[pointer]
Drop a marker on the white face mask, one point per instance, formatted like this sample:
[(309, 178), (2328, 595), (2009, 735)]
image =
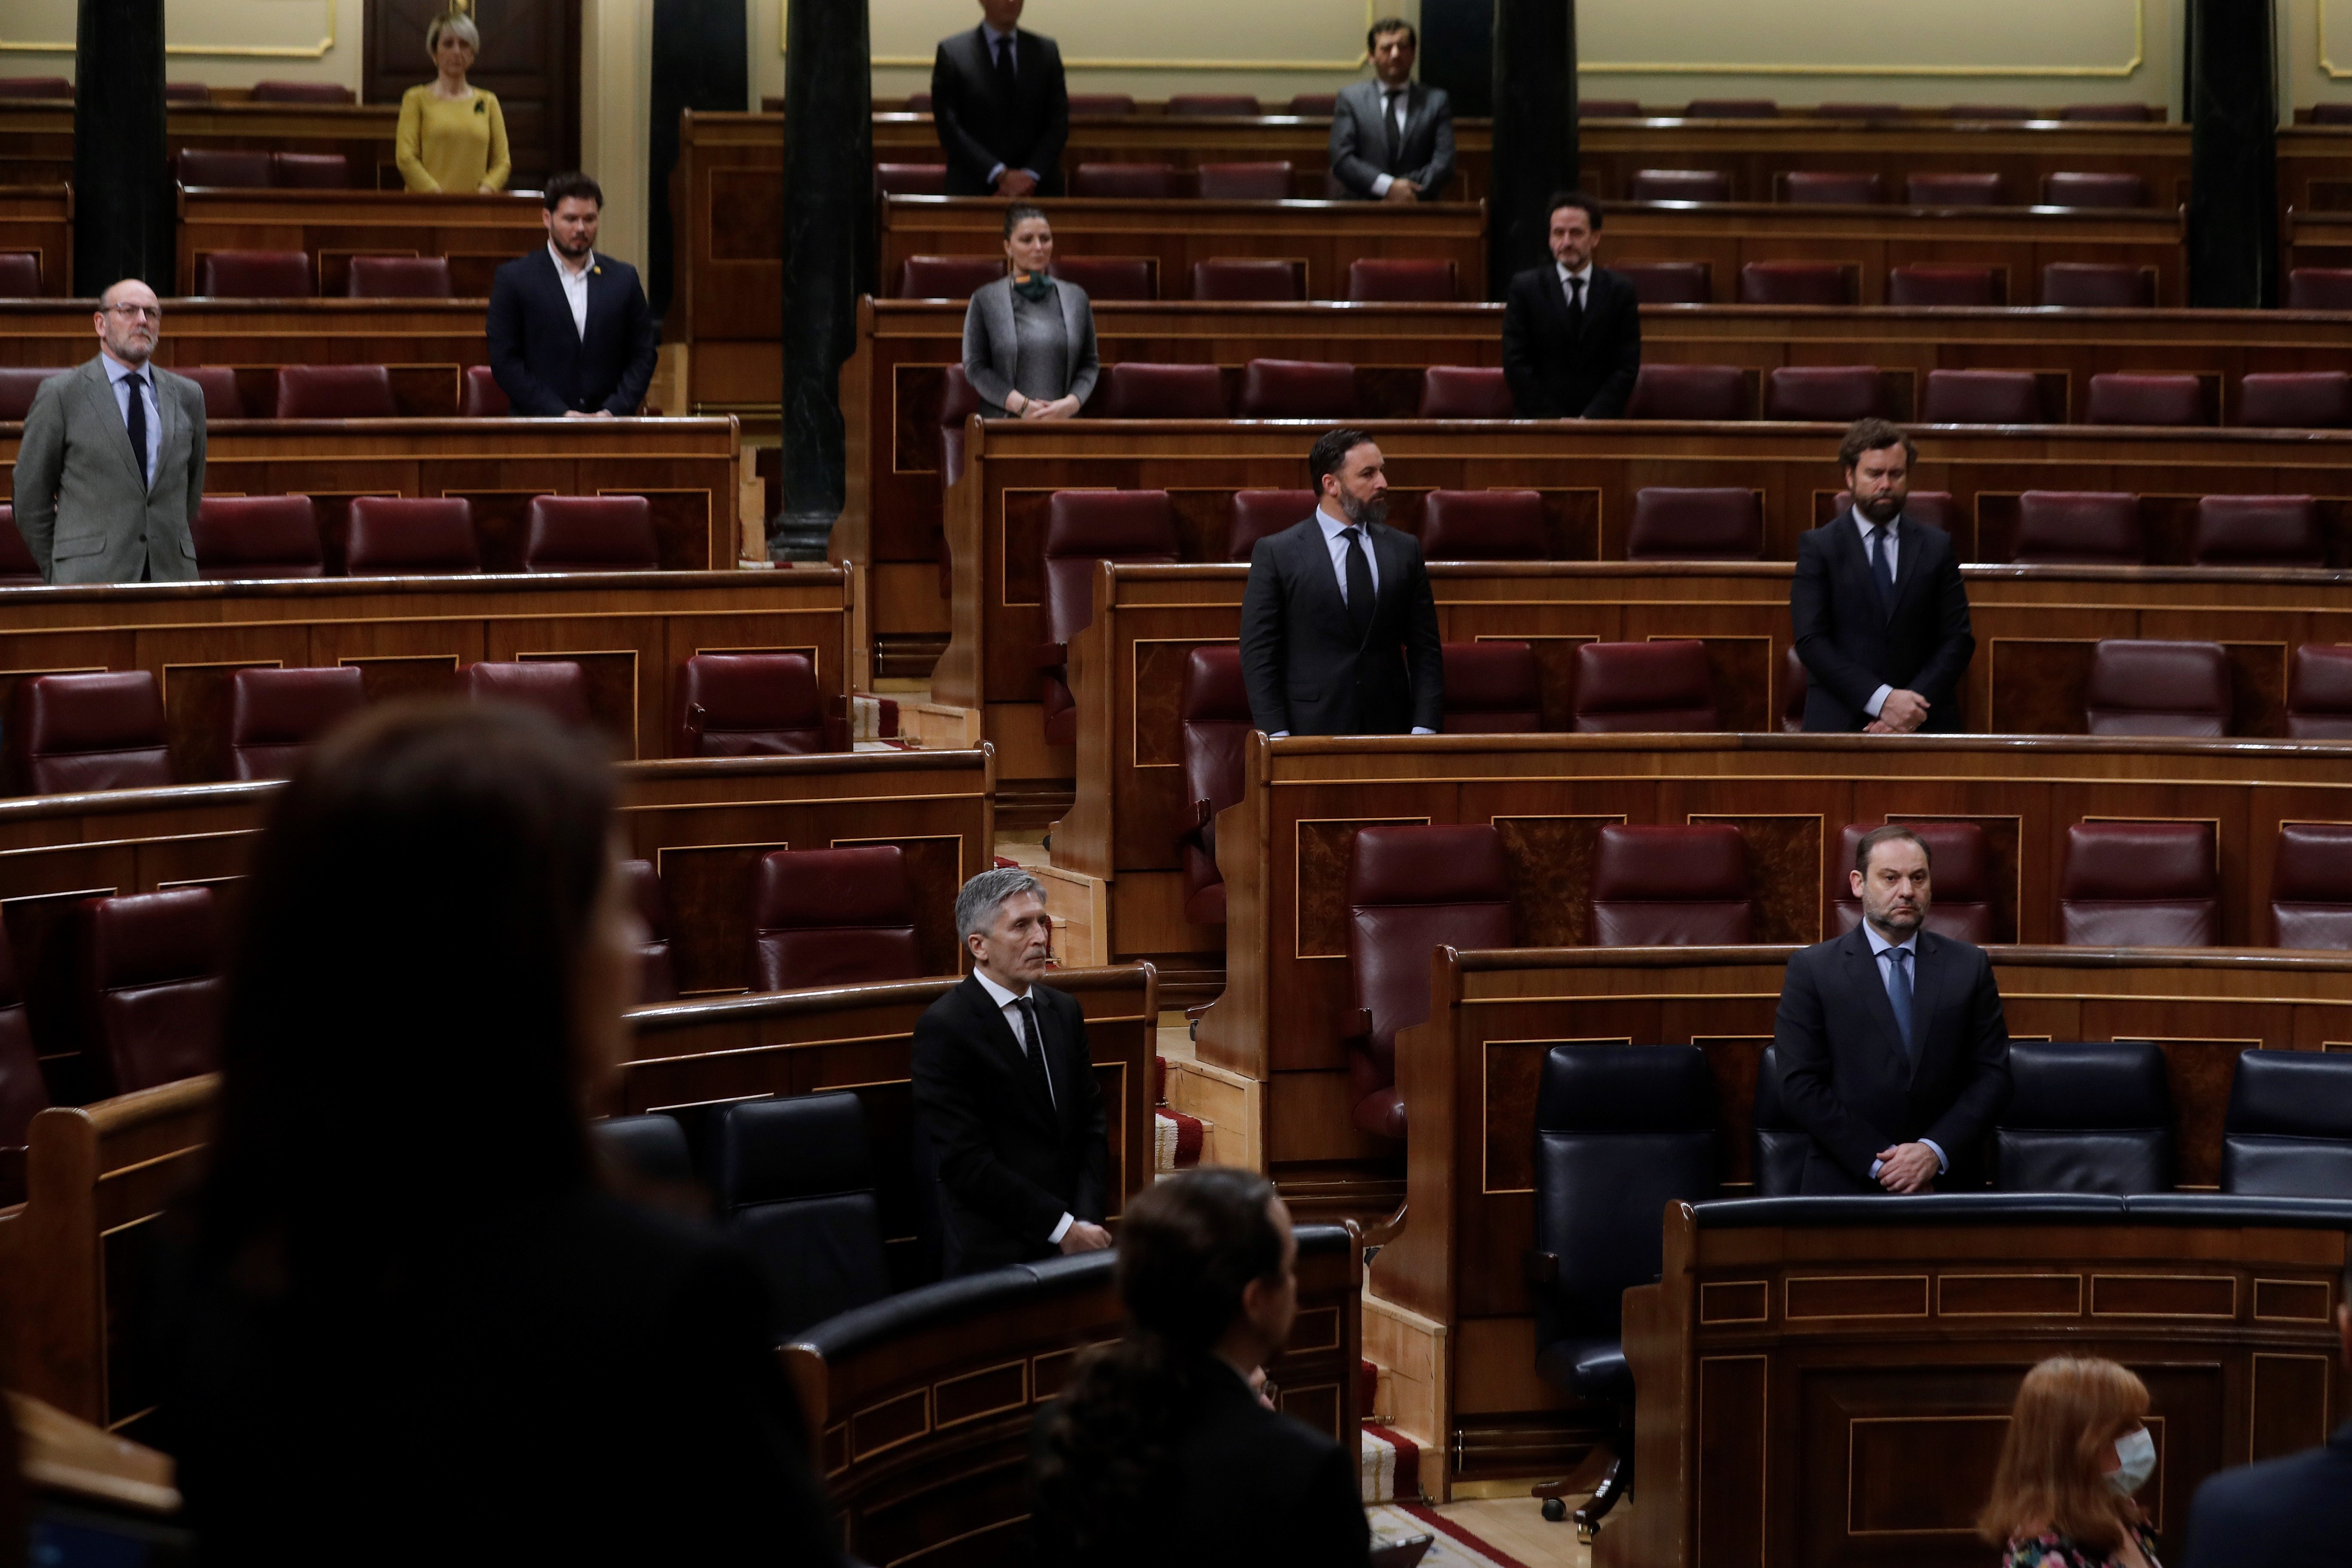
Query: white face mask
[(2137, 1449)]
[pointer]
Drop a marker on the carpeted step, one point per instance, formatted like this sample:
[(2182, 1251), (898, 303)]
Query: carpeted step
[(1176, 1141), (1392, 1464)]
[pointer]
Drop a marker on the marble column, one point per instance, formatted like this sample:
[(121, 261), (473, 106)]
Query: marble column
[(702, 61), (2233, 240), (123, 205), (1535, 130)]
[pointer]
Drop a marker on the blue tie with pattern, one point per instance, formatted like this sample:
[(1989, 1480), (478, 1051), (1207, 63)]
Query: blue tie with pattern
[(1898, 993), (1882, 567)]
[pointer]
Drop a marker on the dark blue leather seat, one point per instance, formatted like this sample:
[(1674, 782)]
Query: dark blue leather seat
[(2289, 1129), (796, 1187), (1780, 1144), (2088, 1118)]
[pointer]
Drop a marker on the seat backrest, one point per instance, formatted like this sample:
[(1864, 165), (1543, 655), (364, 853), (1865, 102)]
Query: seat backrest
[(1679, 186), (2288, 1133), (2258, 530), (1297, 389), (1212, 104), (1253, 515), (1982, 398), (2125, 113), (1673, 523), (1313, 104), (398, 278), (20, 275), (1689, 392), (182, 93), (2119, 398), (2319, 692), (947, 277), (1492, 688), (151, 986), (656, 973), (1794, 683), (746, 705), (649, 1150), (18, 385), (1110, 277), (1266, 181), (482, 398), (1215, 715), (257, 536), (51, 87), (2069, 188), (1839, 393), (17, 567), (219, 383), (1671, 885), (958, 401), (1993, 111), (1644, 688), (1482, 525), (1731, 108), (1084, 527), (2140, 884), (1134, 389), (1780, 1145), (1959, 880), (402, 536), (255, 275), (590, 533), (1950, 190), (1608, 108), (1412, 280), (910, 179), (1943, 286), (2295, 399), (1669, 282), (834, 917), (300, 92), (224, 168), (335, 391), (1466, 392), (2098, 286), (2311, 886), (1130, 182), (23, 1092), (2085, 1117), (1412, 890), (1101, 103), (2098, 528), (555, 686), (2319, 288), (309, 171), (1833, 187), (67, 733), (1796, 283), (1242, 278), (1852, 109), (2145, 687), (796, 1188), (275, 715)]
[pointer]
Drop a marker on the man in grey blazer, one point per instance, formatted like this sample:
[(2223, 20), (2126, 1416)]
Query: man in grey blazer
[(1391, 137), (112, 467)]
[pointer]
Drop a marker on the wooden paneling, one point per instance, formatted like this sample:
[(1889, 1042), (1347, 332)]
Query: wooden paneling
[(40, 218), (476, 233)]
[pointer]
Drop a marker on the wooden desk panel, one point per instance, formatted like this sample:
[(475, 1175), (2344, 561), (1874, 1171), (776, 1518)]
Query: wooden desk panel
[(476, 233), (40, 218), (37, 137)]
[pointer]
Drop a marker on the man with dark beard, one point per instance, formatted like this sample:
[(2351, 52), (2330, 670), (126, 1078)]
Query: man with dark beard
[(1881, 618), (1338, 626)]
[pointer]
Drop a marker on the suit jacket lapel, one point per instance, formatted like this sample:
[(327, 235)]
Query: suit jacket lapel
[(1872, 982), (1314, 564), (1070, 330), (98, 391), (1908, 547), (1003, 333), (1931, 976), (167, 424), (1000, 1034)]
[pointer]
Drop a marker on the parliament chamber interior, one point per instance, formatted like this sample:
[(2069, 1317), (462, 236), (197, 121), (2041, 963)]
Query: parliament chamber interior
[(1526, 1007)]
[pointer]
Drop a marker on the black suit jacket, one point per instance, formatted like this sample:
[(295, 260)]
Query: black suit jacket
[(1843, 1075), (977, 129), (1556, 375), (541, 362), (1009, 1166), (1307, 672), (1850, 644), (2294, 1512)]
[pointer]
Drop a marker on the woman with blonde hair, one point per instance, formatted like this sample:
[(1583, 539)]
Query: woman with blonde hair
[(451, 135), (2078, 1448)]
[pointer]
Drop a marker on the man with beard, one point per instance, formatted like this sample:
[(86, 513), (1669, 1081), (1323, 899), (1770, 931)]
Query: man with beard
[(1339, 625), (570, 330), (1881, 618), (1894, 1055)]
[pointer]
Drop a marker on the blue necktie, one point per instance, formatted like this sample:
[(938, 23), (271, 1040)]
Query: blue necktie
[(137, 421), (1882, 568), (1898, 992)]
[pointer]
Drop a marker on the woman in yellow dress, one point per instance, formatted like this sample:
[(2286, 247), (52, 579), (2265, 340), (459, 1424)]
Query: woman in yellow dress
[(452, 136)]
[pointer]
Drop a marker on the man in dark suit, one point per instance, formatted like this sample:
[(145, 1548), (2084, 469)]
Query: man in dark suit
[(570, 330), (1880, 615), (1000, 108), (2294, 1512), (1393, 138), (1338, 626), (1894, 1053), (1571, 330), (1006, 1092)]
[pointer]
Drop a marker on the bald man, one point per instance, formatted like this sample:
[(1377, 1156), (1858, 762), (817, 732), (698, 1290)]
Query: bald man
[(112, 466)]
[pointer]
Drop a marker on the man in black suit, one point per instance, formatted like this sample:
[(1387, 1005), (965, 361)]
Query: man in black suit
[(1338, 626), (1880, 615), (570, 330), (1571, 330), (1006, 1092), (1894, 1053), (1393, 138), (2294, 1512), (1000, 108)]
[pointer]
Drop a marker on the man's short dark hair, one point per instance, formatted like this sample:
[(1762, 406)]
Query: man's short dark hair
[(574, 183), (1330, 450), (1386, 26), (1889, 832), (1875, 436), (1591, 206)]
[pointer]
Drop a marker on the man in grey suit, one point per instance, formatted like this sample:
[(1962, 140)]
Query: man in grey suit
[(1391, 137), (112, 467)]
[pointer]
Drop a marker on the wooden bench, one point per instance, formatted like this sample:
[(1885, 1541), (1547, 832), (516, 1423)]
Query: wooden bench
[(40, 218), (476, 233), (38, 136)]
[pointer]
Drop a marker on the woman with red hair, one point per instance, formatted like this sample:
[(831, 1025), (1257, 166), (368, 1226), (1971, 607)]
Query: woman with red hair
[(2078, 1448)]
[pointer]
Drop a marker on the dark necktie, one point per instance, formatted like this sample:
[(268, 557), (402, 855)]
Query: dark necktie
[(1898, 995), (1882, 568), (1389, 122), (1004, 68), (137, 419), (1572, 291), (1359, 583), (1042, 1081)]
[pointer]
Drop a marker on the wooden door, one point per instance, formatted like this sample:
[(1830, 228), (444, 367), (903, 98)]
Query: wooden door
[(530, 58)]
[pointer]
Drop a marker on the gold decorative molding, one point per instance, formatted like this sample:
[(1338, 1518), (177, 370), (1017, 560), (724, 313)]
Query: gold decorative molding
[(211, 51), (2128, 69), (1371, 14)]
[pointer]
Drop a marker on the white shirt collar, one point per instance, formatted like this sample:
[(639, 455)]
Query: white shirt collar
[(996, 994), (563, 268), (1335, 526), (1879, 945), (1583, 276), (996, 37), (116, 371)]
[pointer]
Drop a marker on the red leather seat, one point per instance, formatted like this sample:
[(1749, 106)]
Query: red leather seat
[(917, 103), (1233, 279), (52, 87), (219, 383), (1297, 389), (1679, 186), (224, 168), (832, 917), (309, 171), (1710, 524), (18, 385), (910, 179), (151, 986), (1491, 689), (243, 537), (1954, 191), (1466, 392), (2258, 530), (1251, 515), (1412, 890), (1482, 525), (1130, 182), (656, 973), (1259, 182), (557, 687), (2121, 113), (187, 93), (1731, 108), (1671, 886), (68, 734), (1932, 509), (2098, 286), (335, 391), (1839, 393), (2079, 528), (398, 278), (1212, 103), (2140, 884), (747, 705), (590, 533), (1689, 392), (2331, 115), (2116, 398), (1644, 688), (2296, 400), (2311, 888), (2074, 189), (403, 536), (1945, 286), (276, 715), (947, 277), (482, 398), (1959, 875), (1993, 111), (17, 568), (1982, 398), (1094, 103), (1669, 282), (1796, 283), (2142, 686), (2319, 692), (1827, 188), (20, 275), (1133, 389), (958, 401), (1420, 281), (300, 92), (1110, 277), (1315, 105), (1215, 715), (1608, 108), (255, 275), (1083, 528), (1850, 111), (2319, 288), (24, 1093)]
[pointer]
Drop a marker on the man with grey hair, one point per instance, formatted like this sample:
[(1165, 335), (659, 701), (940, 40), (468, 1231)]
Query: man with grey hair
[(1006, 1092)]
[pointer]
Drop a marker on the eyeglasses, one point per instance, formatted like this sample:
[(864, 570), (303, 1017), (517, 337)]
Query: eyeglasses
[(132, 312)]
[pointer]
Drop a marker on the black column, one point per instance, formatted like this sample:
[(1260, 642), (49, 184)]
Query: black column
[(828, 256), (1457, 53), (1535, 130), (2232, 155), (122, 184), (702, 60)]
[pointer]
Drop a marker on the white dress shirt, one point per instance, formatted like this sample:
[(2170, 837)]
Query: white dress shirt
[(1398, 108), (1582, 278), (1004, 1001), (1879, 948), (1895, 570), (996, 171), (1333, 529), (575, 285), (118, 376)]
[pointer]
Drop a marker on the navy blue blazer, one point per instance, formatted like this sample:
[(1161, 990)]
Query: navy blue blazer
[(1307, 672), (1852, 644), (541, 362), (2294, 1512)]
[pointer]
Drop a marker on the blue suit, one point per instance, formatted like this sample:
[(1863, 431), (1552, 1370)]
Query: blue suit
[(542, 363), (2294, 1512)]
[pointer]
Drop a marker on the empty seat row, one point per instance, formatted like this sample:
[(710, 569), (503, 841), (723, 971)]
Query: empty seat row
[(238, 168), (2078, 285), (2299, 400), (2065, 188), (292, 275), (1311, 104), (1229, 279), (303, 392), (58, 87)]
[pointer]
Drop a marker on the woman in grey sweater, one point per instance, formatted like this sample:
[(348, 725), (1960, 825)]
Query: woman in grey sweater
[(1029, 338)]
